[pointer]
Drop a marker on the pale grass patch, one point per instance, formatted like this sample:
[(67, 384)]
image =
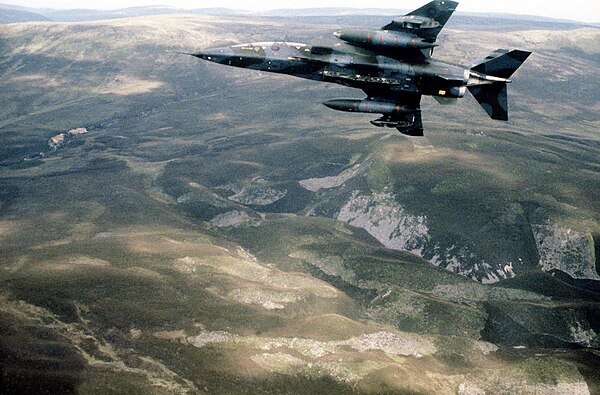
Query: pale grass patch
[(218, 116), (40, 80), (494, 166), (129, 86), (169, 242), (9, 227), (86, 260)]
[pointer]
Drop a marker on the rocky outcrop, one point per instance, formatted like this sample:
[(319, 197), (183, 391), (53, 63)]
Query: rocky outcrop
[(583, 334), (57, 140), (77, 131), (258, 193), (232, 218), (382, 216), (390, 223), (386, 220), (62, 138), (566, 250)]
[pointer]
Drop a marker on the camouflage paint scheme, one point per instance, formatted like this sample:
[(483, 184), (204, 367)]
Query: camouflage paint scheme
[(392, 65)]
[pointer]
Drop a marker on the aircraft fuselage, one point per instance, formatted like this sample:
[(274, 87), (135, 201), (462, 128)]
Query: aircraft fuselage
[(345, 65)]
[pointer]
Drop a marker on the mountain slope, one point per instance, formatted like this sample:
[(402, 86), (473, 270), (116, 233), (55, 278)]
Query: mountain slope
[(218, 230)]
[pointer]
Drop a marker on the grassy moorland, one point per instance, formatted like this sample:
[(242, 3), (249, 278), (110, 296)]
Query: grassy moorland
[(198, 238)]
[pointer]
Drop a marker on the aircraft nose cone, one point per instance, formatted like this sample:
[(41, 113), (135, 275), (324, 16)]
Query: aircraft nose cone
[(213, 54), (198, 54), (205, 54)]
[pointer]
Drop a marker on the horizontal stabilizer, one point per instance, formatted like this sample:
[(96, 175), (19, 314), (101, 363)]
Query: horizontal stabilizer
[(501, 63)]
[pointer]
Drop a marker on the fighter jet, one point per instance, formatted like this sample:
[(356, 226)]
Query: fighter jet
[(392, 65)]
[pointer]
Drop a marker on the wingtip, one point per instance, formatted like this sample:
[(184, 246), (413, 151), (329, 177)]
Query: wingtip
[(521, 55)]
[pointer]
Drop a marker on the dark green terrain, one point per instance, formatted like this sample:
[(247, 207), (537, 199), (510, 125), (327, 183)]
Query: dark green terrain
[(220, 231)]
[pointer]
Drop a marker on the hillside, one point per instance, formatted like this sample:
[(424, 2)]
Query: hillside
[(220, 231), (14, 14)]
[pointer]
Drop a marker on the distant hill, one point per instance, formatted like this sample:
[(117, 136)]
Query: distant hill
[(331, 11), (11, 14), (349, 11), (14, 14), (84, 15)]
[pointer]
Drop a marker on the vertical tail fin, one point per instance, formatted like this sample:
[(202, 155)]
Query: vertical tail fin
[(491, 75), (438, 10), (493, 98), (426, 22)]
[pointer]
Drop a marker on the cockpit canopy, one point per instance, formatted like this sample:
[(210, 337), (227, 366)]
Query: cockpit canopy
[(265, 45)]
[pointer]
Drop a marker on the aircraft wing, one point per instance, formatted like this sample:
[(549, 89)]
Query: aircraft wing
[(426, 22)]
